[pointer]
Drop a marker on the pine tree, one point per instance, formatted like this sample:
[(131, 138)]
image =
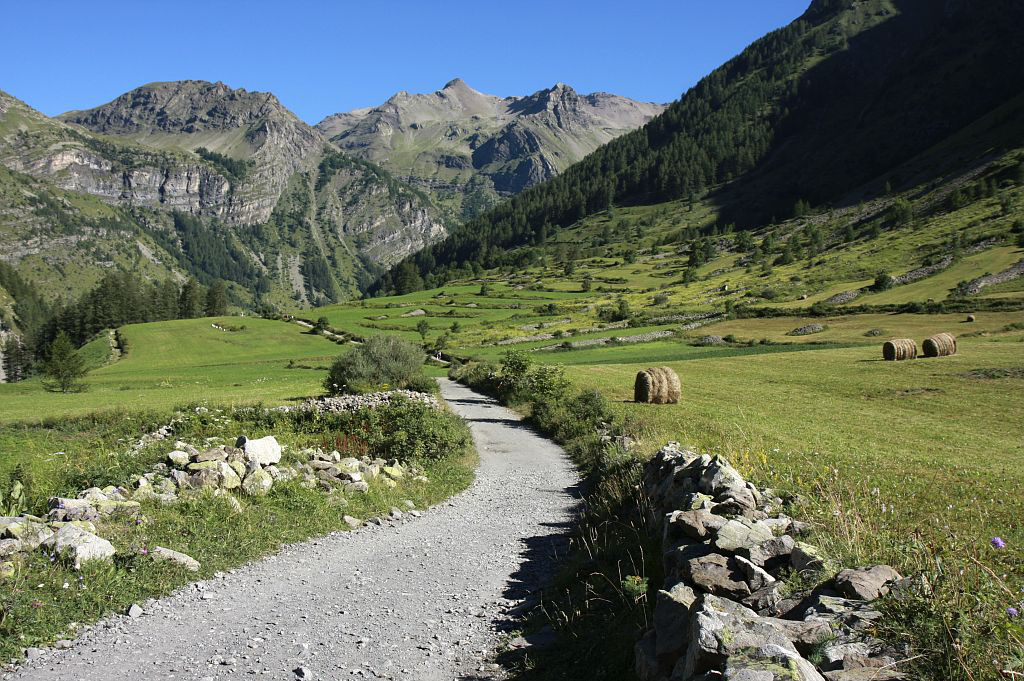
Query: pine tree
[(17, 360), (217, 299), (64, 366), (191, 301)]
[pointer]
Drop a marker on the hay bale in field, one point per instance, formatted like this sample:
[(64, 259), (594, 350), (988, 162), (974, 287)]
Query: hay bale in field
[(657, 385), (939, 345), (899, 349), (971, 318)]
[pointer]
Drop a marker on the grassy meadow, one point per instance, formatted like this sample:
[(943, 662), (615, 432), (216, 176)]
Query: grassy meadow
[(169, 364)]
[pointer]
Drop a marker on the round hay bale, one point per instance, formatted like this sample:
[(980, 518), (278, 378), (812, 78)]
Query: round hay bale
[(673, 388), (899, 349), (642, 387), (657, 385), (939, 345), (971, 318)]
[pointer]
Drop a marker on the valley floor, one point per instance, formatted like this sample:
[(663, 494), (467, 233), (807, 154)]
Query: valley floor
[(422, 599)]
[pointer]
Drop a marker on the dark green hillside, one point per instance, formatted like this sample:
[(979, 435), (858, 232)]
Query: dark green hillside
[(844, 96)]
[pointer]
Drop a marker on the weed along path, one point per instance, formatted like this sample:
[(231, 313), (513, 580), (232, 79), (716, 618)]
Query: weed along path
[(417, 598)]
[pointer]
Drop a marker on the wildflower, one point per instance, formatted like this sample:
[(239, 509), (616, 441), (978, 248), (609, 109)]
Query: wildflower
[(997, 542), (144, 552), (37, 603), (1012, 612)]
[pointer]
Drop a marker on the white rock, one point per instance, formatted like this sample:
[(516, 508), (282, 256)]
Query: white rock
[(265, 451), (178, 458)]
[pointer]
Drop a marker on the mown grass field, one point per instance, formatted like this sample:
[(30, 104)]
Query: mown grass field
[(935, 436), (180, 362), (914, 464), (940, 437)]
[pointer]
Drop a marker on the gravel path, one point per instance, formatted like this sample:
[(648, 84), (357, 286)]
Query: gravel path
[(422, 599)]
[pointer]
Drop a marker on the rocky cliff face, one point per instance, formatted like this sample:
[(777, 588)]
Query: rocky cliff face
[(251, 127), (46, 148), (468, 148)]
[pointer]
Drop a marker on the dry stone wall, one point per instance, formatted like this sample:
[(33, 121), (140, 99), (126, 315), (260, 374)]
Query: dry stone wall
[(728, 608)]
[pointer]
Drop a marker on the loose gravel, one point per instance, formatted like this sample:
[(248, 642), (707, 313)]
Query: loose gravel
[(420, 598)]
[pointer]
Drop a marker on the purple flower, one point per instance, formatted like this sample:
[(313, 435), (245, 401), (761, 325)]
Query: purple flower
[(1012, 612), (144, 551), (998, 543)]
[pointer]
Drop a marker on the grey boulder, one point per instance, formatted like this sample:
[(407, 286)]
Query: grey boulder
[(76, 544), (866, 584), (162, 554)]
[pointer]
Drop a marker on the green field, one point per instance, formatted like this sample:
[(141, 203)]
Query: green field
[(189, 361)]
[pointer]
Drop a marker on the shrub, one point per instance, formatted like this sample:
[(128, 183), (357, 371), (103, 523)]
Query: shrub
[(899, 212), (547, 382), (408, 430), (572, 419), (482, 376), (883, 282), (619, 313), (380, 361), (515, 368)]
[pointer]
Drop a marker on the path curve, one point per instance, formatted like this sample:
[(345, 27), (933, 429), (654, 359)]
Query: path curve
[(423, 599)]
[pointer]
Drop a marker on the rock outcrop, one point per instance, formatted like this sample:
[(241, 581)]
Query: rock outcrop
[(252, 127)]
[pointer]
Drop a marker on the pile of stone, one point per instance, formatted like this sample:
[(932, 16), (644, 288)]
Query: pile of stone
[(710, 340), (590, 342), (331, 472), (683, 317), (845, 297), (75, 539), (349, 403), (696, 324), (807, 330), (251, 467), (725, 612)]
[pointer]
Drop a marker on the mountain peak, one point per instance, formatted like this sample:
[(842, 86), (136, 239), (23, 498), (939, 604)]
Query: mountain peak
[(454, 83), (181, 106)]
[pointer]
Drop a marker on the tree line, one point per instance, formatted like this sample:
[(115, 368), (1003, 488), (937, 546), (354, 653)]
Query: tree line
[(119, 298)]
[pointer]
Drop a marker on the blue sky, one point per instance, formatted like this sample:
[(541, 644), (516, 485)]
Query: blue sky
[(323, 57)]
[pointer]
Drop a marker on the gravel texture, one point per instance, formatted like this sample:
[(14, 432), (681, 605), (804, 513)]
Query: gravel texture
[(418, 598)]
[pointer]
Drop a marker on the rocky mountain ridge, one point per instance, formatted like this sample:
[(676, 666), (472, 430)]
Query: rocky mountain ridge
[(252, 127), (469, 148), (231, 159)]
